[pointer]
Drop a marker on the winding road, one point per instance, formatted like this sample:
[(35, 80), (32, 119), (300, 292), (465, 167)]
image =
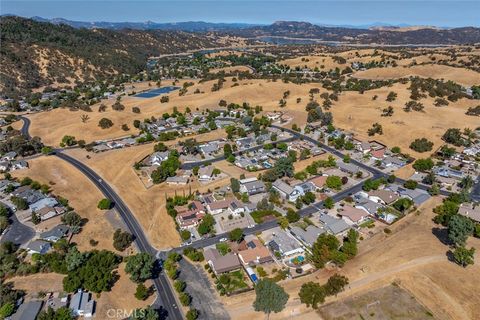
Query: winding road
[(165, 294)]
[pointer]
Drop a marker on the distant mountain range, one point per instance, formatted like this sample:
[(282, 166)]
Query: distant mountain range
[(190, 26)]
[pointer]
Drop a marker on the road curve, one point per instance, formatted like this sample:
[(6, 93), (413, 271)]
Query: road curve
[(164, 290)]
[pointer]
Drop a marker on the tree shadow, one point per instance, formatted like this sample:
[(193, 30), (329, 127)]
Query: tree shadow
[(442, 235)]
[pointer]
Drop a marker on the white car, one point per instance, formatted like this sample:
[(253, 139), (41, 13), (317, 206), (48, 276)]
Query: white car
[(223, 239)]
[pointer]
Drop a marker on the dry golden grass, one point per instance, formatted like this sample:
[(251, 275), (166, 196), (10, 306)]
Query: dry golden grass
[(82, 194), (412, 255), (314, 62), (232, 69), (357, 112), (459, 75), (32, 284)]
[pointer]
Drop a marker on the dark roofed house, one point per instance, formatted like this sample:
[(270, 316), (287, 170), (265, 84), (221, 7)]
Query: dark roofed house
[(219, 263), (334, 225), (39, 246), (252, 186), (28, 311), (55, 234)]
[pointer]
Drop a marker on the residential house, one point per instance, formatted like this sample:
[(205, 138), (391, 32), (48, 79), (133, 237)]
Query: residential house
[(4, 165), (42, 203), (286, 191), (362, 146), (390, 161), (305, 187), (158, 157), (377, 154), (190, 216), (19, 165), (221, 264), (319, 182), (176, 180), (369, 206), (48, 212), (9, 156), (383, 196), (353, 215), (308, 235), (39, 246), (27, 193), (205, 173), (470, 210), (449, 173), (418, 196), (245, 143), (27, 311), (252, 186), (348, 167), (284, 244), (55, 234), (254, 254), (5, 183), (334, 225), (82, 304)]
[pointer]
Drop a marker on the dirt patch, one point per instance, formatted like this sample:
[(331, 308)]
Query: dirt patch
[(390, 302)]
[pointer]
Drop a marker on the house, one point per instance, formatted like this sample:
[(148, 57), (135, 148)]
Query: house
[(377, 154), (176, 180), (305, 187), (245, 143), (390, 161), (39, 246), (19, 165), (82, 304), (221, 264), (470, 211), (158, 157), (348, 167), (282, 243), (449, 173), (307, 236), (383, 196), (363, 146), (255, 253), (334, 225), (42, 203), (205, 173), (30, 195), (9, 156), (209, 148), (55, 234), (190, 216), (48, 212), (286, 191), (418, 196), (353, 215), (319, 181), (28, 311), (369, 206), (252, 186), (4, 165), (5, 183)]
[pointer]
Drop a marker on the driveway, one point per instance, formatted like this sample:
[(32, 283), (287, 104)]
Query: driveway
[(199, 287), (18, 233)]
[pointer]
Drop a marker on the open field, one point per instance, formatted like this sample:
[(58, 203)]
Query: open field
[(357, 112), (232, 69), (82, 194), (148, 205), (390, 302), (411, 256), (323, 63), (460, 75)]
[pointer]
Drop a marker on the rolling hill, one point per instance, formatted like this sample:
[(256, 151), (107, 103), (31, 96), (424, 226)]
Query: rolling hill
[(35, 54)]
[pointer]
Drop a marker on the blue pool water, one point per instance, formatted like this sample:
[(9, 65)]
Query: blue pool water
[(299, 258), (156, 92)]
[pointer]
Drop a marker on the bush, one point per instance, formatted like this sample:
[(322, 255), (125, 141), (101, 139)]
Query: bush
[(122, 240), (185, 299), (105, 123), (192, 314), (421, 145), (410, 184), (179, 285), (142, 292), (104, 204), (423, 164)]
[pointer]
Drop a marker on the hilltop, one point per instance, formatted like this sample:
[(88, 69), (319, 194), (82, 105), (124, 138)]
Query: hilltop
[(37, 54)]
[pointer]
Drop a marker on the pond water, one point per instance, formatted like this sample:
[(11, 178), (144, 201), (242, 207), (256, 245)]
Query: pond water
[(156, 92)]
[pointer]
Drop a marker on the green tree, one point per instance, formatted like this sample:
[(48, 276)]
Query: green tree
[(410, 184), (312, 294), (235, 185), (269, 297), (192, 314), (145, 314), (334, 182), (464, 256), (459, 228), (122, 239), (336, 284), (74, 258), (104, 204), (292, 215), (179, 285), (141, 293), (140, 267), (236, 235), (423, 165), (62, 313), (7, 310), (185, 299), (105, 123), (328, 203)]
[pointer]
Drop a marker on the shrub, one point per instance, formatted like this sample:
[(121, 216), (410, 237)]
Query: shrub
[(421, 145), (122, 240), (105, 123)]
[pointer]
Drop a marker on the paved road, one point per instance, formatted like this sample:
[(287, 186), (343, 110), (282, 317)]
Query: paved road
[(25, 127), (17, 232), (165, 294)]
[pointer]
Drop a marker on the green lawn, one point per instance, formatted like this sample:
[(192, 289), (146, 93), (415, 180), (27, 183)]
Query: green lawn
[(233, 281), (259, 215)]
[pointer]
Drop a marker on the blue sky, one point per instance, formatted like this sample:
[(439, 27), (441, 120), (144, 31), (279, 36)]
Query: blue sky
[(447, 13)]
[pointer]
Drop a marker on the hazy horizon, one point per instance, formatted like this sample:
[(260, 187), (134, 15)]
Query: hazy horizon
[(445, 13)]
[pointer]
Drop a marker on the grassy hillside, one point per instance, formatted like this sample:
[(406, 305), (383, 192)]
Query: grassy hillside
[(35, 54)]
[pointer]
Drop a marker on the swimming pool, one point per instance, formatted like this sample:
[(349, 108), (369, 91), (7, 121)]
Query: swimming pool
[(156, 92), (298, 259)]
